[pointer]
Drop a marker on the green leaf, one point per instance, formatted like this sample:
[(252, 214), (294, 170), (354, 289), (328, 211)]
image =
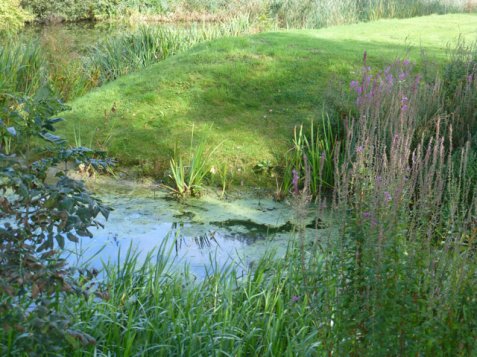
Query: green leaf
[(72, 238), (66, 204), (61, 241), (52, 138)]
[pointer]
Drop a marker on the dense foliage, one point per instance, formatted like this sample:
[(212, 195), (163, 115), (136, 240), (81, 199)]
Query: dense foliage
[(38, 213), (294, 13), (12, 16)]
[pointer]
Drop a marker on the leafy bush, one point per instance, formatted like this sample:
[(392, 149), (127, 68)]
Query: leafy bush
[(12, 16), (71, 10), (37, 215)]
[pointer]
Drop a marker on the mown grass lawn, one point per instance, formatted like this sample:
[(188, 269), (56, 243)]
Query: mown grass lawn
[(246, 94)]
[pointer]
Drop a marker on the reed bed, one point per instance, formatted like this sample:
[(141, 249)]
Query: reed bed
[(22, 67), (125, 53)]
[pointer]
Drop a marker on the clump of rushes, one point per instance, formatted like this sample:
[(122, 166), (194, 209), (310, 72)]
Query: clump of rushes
[(316, 149), (22, 68), (187, 179)]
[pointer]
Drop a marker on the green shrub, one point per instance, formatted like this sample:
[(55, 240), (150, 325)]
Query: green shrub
[(60, 10), (12, 16), (37, 216)]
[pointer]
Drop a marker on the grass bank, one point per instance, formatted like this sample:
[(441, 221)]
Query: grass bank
[(246, 94)]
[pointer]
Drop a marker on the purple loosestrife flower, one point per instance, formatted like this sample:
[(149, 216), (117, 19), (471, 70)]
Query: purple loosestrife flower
[(404, 104), (402, 76), (416, 83), (360, 149), (367, 79), (406, 62), (295, 298), (366, 215), (390, 79), (387, 196), (295, 181), (470, 78)]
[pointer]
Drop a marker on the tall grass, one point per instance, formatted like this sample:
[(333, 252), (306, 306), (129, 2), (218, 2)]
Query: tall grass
[(313, 150), (153, 311), (394, 275), (128, 52), (23, 68)]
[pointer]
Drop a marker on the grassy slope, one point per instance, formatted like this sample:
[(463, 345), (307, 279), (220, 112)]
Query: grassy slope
[(247, 93)]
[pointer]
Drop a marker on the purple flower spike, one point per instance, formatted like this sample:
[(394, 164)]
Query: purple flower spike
[(295, 298), (387, 196), (366, 215), (367, 79), (406, 62), (295, 181), (404, 104), (359, 149), (389, 79), (402, 76), (469, 79)]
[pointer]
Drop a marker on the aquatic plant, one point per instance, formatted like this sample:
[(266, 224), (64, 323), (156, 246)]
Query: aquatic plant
[(22, 68), (316, 148), (188, 178)]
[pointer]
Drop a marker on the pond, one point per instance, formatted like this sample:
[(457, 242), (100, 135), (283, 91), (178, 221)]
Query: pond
[(203, 233)]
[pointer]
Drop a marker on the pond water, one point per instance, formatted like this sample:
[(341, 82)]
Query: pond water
[(204, 233)]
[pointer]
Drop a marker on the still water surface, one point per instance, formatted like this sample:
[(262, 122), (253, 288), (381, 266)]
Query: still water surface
[(198, 231)]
